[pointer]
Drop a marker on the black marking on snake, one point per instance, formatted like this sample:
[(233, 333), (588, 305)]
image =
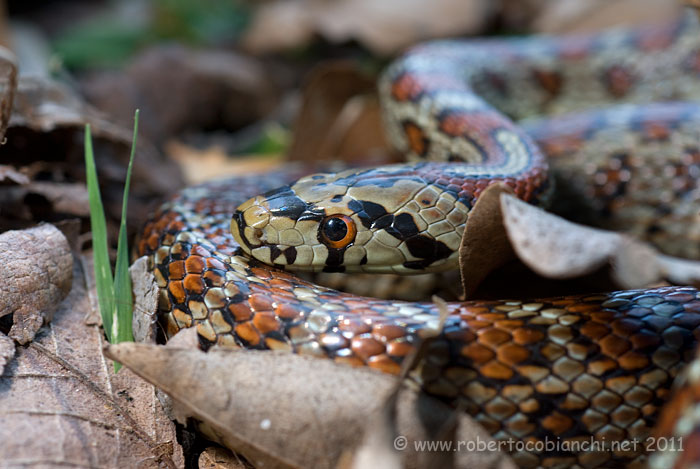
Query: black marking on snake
[(386, 182), (237, 298), (403, 228), (240, 222), (228, 317), (427, 249), (283, 202), (334, 261), (284, 191), (290, 254), (275, 252), (368, 212), (337, 198)]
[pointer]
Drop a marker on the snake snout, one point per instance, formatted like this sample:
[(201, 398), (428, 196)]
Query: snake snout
[(247, 225)]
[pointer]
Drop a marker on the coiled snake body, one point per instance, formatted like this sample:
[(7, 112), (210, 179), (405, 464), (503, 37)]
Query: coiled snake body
[(560, 368)]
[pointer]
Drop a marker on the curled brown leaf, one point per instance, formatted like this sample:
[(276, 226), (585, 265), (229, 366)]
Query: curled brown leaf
[(485, 245), (36, 268), (556, 248), (283, 409)]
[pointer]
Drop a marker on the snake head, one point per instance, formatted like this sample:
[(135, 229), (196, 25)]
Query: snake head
[(382, 220)]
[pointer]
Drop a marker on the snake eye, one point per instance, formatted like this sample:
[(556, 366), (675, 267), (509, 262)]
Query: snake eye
[(337, 231)]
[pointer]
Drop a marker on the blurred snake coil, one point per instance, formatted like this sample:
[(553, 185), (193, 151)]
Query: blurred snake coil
[(613, 114)]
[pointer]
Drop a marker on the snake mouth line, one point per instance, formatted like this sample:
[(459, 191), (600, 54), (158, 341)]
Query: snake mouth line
[(237, 229)]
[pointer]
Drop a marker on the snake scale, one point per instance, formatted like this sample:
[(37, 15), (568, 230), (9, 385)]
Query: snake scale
[(563, 369)]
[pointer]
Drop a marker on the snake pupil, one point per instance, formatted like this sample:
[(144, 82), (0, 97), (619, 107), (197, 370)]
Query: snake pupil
[(335, 229)]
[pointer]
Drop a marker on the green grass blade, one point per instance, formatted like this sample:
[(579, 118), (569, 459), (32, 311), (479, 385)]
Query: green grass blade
[(98, 226), (122, 329)]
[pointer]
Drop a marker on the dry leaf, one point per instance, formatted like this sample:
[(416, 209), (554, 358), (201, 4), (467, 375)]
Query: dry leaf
[(485, 245), (145, 289), (36, 268), (384, 27), (8, 87), (202, 89), (62, 405), (339, 118), (556, 248), (500, 225), (199, 166), (215, 457), (280, 409), (41, 199), (586, 16), (45, 136), (7, 351)]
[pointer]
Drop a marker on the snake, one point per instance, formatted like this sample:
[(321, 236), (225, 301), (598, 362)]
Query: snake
[(225, 254)]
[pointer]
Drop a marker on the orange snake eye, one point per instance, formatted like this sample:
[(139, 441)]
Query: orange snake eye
[(337, 231)]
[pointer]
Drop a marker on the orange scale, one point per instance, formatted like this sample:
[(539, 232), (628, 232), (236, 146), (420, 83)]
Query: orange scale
[(473, 310), (508, 324), (214, 263), (177, 290), (491, 317), (195, 265), (200, 251), (176, 270), (625, 327), (462, 335), (162, 223), (354, 326), (261, 273), (287, 311), (248, 332), (477, 353), (594, 330), (564, 302), (352, 361), (281, 284), (526, 336), (384, 363), (476, 324), (584, 308), (645, 339), (496, 370), (405, 88), (194, 283), (285, 276), (240, 311), (214, 278), (281, 296), (256, 288), (260, 302), (613, 346), (366, 347), (603, 316), (493, 337), (399, 348), (153, 241), (387, 332), (265, 322), (374, 319), (176, 225)]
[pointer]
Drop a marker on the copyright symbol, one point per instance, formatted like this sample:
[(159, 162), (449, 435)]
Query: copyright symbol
[(400, 443)]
